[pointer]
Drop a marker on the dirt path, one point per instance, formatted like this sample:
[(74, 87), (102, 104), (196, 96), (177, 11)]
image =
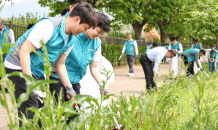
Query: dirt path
[(123, 83)]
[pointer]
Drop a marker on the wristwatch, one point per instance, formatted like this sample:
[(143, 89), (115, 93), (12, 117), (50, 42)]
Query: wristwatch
[(69, 86)]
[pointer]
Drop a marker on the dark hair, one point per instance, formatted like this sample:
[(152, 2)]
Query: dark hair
[(64, 11), (86, 13), (154, 44), (72, 2), (172, 38), (103, 22), (30, 26), (172, 52), (203, 51), (196, 40)]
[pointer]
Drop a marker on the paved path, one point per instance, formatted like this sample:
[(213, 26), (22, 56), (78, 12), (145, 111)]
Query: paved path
[(123, 83)]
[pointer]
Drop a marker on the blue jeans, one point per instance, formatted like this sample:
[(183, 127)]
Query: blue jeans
[(212, 66)]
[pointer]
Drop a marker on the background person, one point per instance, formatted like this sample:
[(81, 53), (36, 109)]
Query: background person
[(189, 56), (155, 56), (212, 59), (196, 45), (131, 49)]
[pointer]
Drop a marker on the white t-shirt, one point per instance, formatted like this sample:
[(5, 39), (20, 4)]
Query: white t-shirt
[(43, 30)]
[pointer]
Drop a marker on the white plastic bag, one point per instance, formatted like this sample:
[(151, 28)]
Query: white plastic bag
[(205, 59), (175, 66), (195, 67)]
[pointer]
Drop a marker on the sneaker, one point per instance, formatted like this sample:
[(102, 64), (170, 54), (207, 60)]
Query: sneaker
[(190, 76), (129, 74)]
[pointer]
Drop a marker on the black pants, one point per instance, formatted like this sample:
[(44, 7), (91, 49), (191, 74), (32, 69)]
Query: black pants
[(147, 66), (20, 87), (56, 88), (190, 69), (130, 61)]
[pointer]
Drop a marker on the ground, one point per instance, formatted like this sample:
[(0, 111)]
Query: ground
[(123, 83)]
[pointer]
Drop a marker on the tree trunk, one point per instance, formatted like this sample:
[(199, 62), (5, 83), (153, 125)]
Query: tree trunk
[(137, 26), (190, 41), (162, 34), (216, 41)]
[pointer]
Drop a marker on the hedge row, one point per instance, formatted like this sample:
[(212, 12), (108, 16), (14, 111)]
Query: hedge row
[(113, 52)]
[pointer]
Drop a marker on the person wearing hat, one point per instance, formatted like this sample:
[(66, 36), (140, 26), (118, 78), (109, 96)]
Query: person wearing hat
[(189, 56), (131, 49), (196, 45), (212, 59), (5, 31)]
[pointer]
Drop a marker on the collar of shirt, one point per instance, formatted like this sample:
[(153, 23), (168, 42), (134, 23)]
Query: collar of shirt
[(175, 43), (130, 40)]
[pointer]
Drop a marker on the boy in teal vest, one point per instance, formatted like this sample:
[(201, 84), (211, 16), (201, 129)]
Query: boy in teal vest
[(196, 45), (131, 49), (5, 31), (86, 51), (56, 33), (189, 56), (212, 60)]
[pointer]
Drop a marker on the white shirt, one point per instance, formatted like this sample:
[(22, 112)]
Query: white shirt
[(43, 30), (10, 34), (180, 47), (156, 55), (135, 46)]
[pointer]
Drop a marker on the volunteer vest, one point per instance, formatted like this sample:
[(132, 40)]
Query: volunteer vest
[(213, 56), (80, 57), (55, 47), (148, 48), (129, 47), (67, 14), (4, 39), (190, 54), (198, 46), (176, 46)]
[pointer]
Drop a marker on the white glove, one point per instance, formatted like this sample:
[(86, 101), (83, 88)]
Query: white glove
[(105, 91), (70, 92)]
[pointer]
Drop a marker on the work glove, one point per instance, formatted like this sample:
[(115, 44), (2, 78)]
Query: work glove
[(201, 69), (70, 92), (105, 91), (33, 93)]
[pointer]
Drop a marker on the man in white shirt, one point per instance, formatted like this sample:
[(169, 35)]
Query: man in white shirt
[(131, 49), (155, 56)]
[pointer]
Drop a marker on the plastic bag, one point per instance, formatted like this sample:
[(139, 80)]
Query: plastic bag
[(175, 66)]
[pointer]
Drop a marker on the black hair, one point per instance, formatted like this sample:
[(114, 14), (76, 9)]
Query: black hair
[(64, 11), (172, 52), (203, 51), (154, 44), (103, 22), (72, 2), (30, 26), (172, 38), (86, 13), (196, 40)]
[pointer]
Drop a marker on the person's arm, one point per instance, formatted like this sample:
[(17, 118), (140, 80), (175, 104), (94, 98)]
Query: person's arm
[(157, 62), (124, 49), (180, 48), (192, 46), (42, 31), (196, 60), (11, 36), (94, 65), (136, 47)]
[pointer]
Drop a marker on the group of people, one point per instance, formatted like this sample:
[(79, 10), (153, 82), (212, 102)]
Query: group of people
[(72, 43), (154, 54)]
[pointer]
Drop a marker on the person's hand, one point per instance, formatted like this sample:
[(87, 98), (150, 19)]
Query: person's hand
[(154, 77), (105, 91), (70, 92), (201, 69)]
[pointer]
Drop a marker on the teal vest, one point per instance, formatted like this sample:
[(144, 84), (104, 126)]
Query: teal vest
[(66, 15), (176, 46), (213, 56), (190, 53), (148, 48), (55, 46), (80, 57), (129, 47), (4, 39), (198, 46)]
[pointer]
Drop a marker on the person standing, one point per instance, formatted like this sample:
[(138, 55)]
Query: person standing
[(3, 31), (131, 49), (155, 56), (212, 59), (189, 56), (174, 44), (196, 45)]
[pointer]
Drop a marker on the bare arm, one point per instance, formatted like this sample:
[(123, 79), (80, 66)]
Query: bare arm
[(24, 55), (61, 70), (94, 71)]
